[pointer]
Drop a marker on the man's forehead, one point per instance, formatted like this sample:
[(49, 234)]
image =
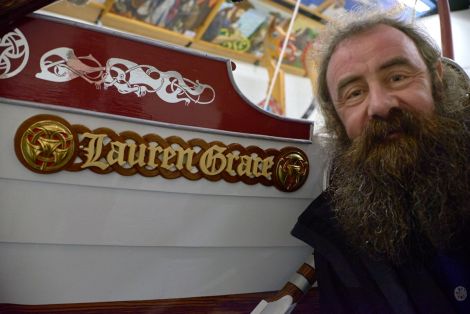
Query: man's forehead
[(381, 41), (378, 33)]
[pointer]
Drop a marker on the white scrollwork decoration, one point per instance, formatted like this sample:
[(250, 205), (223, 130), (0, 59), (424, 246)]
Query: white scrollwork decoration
[(14, 53), (62, 65)]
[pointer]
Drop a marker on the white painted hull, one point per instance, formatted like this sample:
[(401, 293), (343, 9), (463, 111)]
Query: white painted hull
[(75, 237)]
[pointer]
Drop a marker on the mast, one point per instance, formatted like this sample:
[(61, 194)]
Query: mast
[(446, 28)]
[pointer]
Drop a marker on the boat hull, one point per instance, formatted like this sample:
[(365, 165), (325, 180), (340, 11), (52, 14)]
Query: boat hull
[(76, 235)]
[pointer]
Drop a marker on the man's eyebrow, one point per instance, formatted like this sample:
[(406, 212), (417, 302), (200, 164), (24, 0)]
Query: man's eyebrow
[(396, 61)]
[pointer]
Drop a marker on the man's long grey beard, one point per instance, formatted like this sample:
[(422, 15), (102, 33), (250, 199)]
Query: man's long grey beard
[(403, 186)]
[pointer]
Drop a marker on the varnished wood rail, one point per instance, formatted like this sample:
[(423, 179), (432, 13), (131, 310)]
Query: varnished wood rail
[(227, 304)]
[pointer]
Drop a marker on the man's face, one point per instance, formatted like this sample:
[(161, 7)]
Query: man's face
[(373, 72)]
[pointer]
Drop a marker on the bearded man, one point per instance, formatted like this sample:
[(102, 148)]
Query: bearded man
[(391, 232)]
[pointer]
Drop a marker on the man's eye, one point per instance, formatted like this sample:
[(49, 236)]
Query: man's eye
[(352, 97), (397, 78), (354, 94)]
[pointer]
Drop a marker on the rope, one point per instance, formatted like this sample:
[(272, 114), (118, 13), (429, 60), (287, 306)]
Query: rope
[(281, 55)]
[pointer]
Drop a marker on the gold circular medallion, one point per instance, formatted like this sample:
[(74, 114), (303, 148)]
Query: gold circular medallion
[(291, 169), (45, 144)]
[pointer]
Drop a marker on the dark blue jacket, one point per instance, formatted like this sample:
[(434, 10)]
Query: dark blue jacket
[(350, 282)]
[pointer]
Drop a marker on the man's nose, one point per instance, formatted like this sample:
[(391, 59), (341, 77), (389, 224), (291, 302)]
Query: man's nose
[(381, 101)]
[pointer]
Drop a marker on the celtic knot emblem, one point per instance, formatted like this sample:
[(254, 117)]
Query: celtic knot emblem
[(14, 53), (291, 169), (46, 145)]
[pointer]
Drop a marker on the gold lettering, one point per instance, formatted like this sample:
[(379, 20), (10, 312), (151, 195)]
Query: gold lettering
[(255, 166), (94, 149), (132, 160), (116, 154), (153, 160), (230, 158), (213, 164), (245, 166), (267, 164), (186, 157), (168, 153), (212, 161)]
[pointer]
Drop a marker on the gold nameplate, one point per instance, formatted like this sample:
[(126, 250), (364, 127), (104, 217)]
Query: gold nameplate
[(47, 144)]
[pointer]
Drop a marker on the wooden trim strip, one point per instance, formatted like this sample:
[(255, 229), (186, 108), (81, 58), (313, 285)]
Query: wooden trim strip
[(226, 304)]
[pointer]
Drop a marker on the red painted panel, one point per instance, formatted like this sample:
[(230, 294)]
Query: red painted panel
[(228, 111)]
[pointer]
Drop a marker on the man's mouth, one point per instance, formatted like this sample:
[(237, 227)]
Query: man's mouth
[(389, 136), (394, 134)]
